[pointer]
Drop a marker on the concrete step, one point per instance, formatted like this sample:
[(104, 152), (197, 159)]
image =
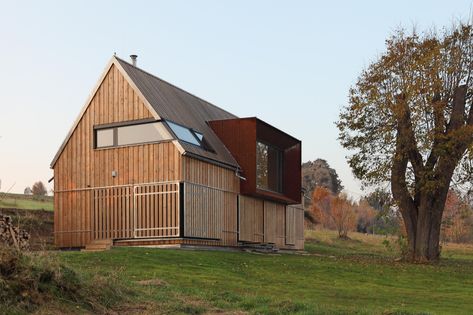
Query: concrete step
[(98, 245), (260, 247), (106, 241), (92, 250)]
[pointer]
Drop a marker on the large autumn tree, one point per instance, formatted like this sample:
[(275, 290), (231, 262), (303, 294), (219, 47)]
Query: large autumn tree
[(410, 121)]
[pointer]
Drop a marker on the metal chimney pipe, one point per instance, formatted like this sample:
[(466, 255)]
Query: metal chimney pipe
[(133, 59)]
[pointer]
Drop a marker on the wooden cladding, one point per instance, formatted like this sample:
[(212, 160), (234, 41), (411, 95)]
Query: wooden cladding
[(251, 220), (225, 185), (207, 212), (156, 210), (133, 192), (113, 213), (290, 226), (122, 212), (295, 226), (263, 221), (199, 172), (274, 223), (80, 165), (73, 218)]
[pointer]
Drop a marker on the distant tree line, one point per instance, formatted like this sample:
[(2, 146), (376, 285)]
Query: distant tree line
[(38, 189), (377, 213)]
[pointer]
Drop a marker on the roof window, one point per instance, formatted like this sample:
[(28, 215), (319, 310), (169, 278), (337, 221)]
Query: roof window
[(186, 134)]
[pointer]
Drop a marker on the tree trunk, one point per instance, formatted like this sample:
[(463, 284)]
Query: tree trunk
[(424, 235), (427, 235), (422, 203)]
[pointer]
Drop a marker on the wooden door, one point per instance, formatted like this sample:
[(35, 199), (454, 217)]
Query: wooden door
[(156, 210), (113, 213), (251, 220)]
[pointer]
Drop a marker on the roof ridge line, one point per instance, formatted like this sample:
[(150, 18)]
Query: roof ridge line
[(175, 86)]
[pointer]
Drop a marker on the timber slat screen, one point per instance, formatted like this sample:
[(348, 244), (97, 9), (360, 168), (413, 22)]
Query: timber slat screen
[(157, 210), (140, 211), (290, 226), (205, 211), (299, 226), (251, 218), (72, 212), (274, 223), (112, 215), (295, 226)]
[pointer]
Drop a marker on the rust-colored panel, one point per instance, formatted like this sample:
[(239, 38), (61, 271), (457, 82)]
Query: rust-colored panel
[(292, 173), (240, 137)]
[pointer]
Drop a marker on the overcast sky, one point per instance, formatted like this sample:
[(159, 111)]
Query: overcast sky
[(290, 63)]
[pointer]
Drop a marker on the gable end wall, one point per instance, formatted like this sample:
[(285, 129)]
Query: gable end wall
[(81, 166)]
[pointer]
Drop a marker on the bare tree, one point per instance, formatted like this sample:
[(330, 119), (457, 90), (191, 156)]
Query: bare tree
[(39, 189)]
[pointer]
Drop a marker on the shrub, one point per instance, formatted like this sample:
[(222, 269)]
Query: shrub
[(31, 280)]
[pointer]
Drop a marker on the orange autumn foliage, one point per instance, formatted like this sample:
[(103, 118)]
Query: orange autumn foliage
[(457, 217), (343, 215), (334, 212), (321, 198)]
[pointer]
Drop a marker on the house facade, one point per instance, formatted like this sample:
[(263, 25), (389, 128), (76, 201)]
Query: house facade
[(147, 163)]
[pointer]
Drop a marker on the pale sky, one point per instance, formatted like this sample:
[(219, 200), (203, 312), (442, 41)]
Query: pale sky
[(289, 63)]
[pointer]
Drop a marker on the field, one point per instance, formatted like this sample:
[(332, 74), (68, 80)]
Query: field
[(19, 201), (357, 276)]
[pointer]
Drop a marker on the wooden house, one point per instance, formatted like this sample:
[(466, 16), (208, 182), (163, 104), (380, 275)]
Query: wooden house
[(147, 163)]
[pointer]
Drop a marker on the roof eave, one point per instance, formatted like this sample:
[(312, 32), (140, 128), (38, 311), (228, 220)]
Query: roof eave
[(211, 161)]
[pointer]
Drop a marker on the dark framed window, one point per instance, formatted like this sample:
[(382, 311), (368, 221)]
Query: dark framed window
[(186, 134), (269, 162), (130, 133)]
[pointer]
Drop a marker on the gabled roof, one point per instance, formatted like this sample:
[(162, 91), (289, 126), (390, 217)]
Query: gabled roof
[(174, 104), (166, 101)]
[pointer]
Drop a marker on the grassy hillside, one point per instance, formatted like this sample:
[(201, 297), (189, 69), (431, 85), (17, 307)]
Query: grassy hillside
[(358, 276), (19, 201)]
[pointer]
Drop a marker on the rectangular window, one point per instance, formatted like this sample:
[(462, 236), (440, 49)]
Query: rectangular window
[(269, 161), (104, 138), (131, 134), (142, 133)]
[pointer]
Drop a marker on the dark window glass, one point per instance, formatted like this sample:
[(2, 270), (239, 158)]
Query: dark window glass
[(142, 133), (268, 167), (104, 138), (183, 133)]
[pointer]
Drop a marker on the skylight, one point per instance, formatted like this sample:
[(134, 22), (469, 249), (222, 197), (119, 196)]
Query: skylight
[(186, 134), (199, 135)]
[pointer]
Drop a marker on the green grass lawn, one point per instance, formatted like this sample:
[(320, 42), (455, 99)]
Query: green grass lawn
[(357, 276), (18, 201)]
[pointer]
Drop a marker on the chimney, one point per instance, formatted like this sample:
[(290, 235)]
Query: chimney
[(133, 59)]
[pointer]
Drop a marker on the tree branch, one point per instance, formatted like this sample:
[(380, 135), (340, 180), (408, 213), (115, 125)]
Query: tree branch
[(407, 136), (458, 141), (399, 186), (457, 118), (438, 131)]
